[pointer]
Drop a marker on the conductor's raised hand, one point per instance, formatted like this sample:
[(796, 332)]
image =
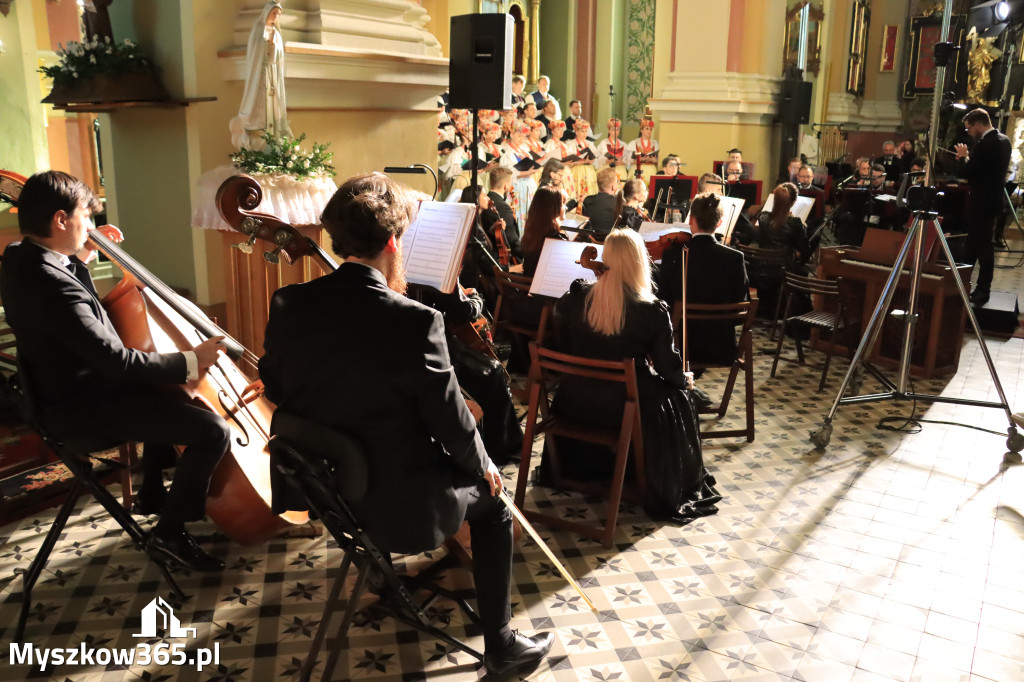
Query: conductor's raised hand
[(208, 351), (961, 151)]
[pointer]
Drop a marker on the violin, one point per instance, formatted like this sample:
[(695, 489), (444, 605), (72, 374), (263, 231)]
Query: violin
[(657, 248), (588, 260), (236, 200)]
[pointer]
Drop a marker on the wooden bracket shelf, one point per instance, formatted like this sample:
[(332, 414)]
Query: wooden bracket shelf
[(107, 107)]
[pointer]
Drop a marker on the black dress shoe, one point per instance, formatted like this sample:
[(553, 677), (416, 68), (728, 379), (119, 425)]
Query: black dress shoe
[(523, 652), (181, 548), (980, 296)]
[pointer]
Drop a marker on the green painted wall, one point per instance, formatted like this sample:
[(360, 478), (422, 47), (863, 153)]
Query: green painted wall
[(23, 146), (558, 50), (146, 153)]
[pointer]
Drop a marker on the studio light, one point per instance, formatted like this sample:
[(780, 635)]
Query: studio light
[(1001, 10)]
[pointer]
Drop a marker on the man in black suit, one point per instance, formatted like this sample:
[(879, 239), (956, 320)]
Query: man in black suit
[(575, 112), (350, 351), (501, 182), (890, 162), (546, 116), (715, 274), (86, 383), (600, 207), (985, 170)]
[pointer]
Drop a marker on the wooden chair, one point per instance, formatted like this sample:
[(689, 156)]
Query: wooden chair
[(772, 260), (510, 285), (741, 315), (622, 438), (828, 313)]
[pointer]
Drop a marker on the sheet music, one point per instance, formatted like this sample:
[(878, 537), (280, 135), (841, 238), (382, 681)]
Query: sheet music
[(801, 209), (557, 268), (732, 207), (432, 247), (454, 196)]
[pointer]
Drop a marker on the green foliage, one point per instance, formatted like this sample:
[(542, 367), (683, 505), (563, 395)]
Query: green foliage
[(283, 155), (81, 61)]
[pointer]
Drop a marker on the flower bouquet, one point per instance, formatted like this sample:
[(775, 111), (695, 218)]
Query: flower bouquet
[(102, 71)]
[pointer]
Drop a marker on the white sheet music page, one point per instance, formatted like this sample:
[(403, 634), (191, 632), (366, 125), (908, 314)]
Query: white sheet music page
[(801, 209), (557, 268), (731, 209), (432, 247), (652, 232)]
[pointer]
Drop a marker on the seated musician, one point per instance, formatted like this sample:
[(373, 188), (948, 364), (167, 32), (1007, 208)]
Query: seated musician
[(632, 196), (743, 231), (501, 183), (891, 164), (715, 274), (350, 351), (878, 179), (862, 172), (69, 344), (734, 171), (558, 175), (792, 168), (620, 317), (542, 222), (779, 230), (671, 165), (805, 186), (601, 207)]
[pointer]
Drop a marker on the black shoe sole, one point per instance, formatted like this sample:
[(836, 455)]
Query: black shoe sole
[(163, 552)]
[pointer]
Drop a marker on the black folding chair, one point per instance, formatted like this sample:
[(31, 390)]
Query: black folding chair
[(327, 470), (78, 456)]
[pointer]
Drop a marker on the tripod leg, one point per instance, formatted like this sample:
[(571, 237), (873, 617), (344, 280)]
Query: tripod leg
[(821, 437), (1012, 430), (910, 317)]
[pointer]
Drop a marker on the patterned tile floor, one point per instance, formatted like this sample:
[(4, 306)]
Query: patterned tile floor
[(885, 557)]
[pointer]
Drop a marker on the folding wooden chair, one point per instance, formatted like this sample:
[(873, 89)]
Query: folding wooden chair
[(741, 315), (547, 366)]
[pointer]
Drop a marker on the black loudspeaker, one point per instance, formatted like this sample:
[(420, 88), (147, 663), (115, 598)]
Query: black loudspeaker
[(795, 102), (480, 68)]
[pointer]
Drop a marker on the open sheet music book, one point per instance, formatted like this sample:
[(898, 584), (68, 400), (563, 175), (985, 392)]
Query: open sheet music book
[(433, 245), (801, 209), (557, 268), (732, 207)]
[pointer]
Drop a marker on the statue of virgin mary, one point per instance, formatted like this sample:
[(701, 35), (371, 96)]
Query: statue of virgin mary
[(263, 108)]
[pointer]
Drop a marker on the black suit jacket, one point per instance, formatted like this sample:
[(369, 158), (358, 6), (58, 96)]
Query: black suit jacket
[(505, 212), (715, 274), (985, 172), (65, 336), (346, 351), (600, 208), (570, 129), (546, 121)]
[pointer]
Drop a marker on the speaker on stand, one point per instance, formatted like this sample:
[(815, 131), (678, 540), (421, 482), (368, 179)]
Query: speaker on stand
[(480, 67)]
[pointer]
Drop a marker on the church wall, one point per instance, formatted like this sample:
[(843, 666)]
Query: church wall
[(23, 142), (558, 50)]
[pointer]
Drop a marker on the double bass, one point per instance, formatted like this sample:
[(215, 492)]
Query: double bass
[(151, 317)]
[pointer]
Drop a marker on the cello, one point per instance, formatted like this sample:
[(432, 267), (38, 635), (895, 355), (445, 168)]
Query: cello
[(149, 316), (236, 200)]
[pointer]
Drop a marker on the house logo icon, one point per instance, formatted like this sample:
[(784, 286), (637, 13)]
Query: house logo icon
[(158, 614)]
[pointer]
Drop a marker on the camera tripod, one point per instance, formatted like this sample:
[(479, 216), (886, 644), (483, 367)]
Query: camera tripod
[(898, 391)]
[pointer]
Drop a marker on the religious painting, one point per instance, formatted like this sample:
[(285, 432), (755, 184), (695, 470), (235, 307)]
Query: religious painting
[(925, 32), (858, 47), (890, 40)]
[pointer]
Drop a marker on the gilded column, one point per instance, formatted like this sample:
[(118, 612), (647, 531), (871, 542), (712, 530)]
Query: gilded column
[(534, 61)]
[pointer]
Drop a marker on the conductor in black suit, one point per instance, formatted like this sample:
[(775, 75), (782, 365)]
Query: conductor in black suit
[(985, 170), (715, 273), (348, 350), (86, 383)]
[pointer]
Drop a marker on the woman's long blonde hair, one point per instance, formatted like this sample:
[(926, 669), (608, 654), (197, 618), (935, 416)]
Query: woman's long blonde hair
[(628, 278)]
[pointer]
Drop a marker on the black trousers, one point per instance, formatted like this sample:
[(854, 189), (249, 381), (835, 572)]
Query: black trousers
[(158, 417), (490, 526), (979, 247)]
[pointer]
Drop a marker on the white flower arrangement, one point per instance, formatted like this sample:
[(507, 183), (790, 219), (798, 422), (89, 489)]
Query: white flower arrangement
[(82, 60)]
